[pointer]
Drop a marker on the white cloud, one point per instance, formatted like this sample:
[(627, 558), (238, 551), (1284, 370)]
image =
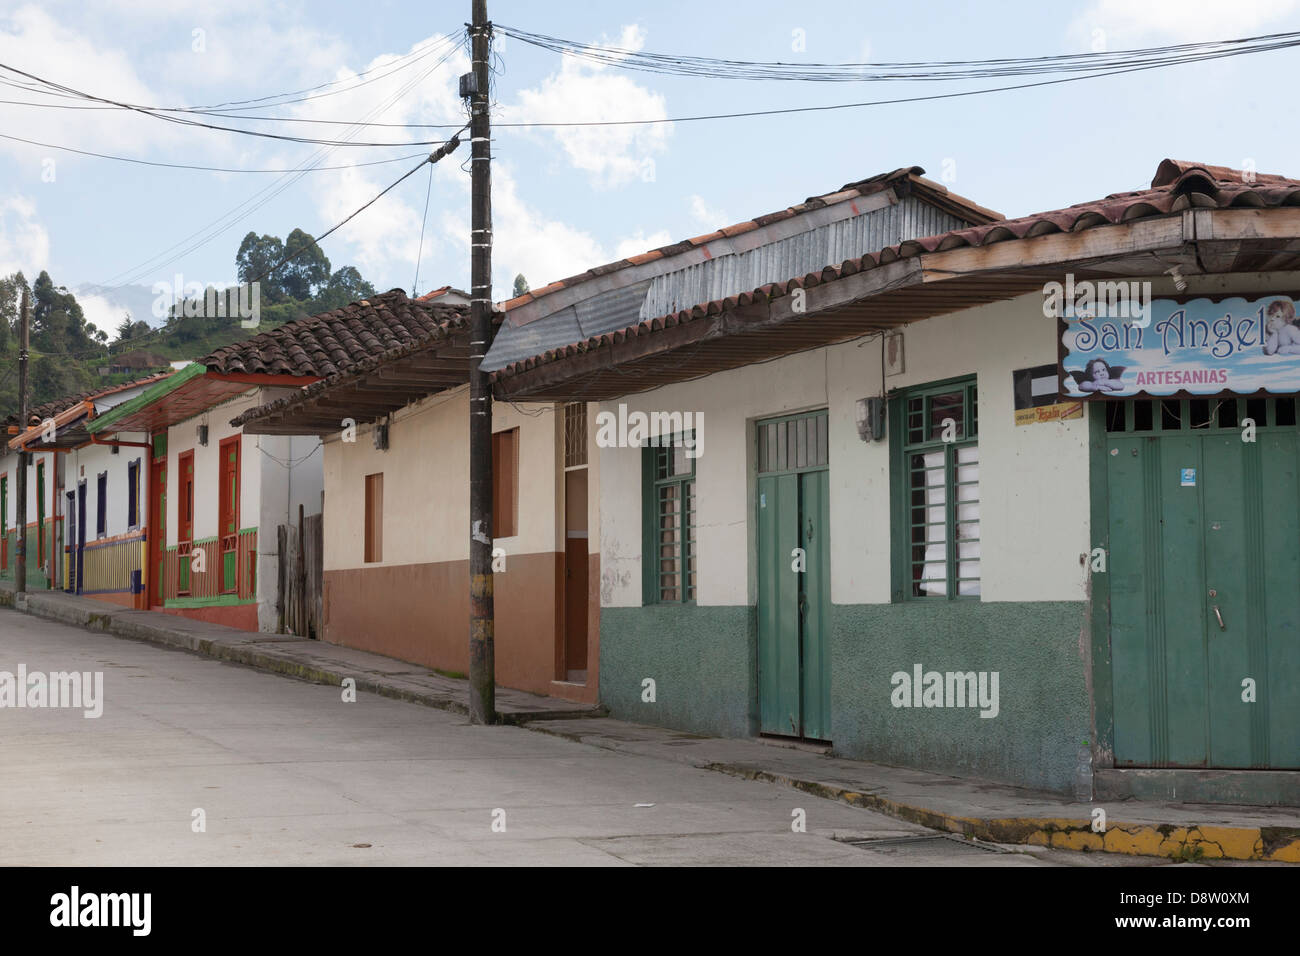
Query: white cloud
[(591, 92), (24, 241), (710, 217), (635, 245), (32, 41), (544, 250), (102, 313), (383, 240), (1123, 23)]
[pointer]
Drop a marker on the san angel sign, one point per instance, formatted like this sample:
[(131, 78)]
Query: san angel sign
[(1200, 347)]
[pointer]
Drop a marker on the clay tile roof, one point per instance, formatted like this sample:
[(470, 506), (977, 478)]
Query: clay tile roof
[(335, 341), (1177, 185), (52, 408)]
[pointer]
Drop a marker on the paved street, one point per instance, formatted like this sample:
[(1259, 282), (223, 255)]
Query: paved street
[(286, 772)]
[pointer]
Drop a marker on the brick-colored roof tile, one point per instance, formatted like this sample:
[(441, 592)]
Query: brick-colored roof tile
[(334, 342)]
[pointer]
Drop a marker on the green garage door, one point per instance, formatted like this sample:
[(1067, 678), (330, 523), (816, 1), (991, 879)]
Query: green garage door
[(794, 577), (1204, 553)]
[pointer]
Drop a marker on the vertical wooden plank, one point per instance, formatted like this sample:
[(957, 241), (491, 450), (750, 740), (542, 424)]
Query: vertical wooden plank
[(1181, 681), (1133, 621), (1274, 660), (814, 538)]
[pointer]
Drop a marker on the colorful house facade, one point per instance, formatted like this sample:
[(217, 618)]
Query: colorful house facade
[(87, 524), (396, 520), (926, 528), (216, 497)]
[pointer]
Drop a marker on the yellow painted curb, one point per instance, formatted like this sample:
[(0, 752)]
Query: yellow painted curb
[(1190, 843)]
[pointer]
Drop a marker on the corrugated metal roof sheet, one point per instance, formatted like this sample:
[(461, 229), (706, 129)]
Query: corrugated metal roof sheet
[(825, 245), (809, 250), (1177, 186), (602, 313)]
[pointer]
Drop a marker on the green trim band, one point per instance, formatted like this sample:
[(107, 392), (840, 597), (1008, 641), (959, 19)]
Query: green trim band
[(220, 600), (146, 398)]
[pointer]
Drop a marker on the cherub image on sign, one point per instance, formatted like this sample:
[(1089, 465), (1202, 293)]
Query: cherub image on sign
[(1281, 333), (1099, 376)]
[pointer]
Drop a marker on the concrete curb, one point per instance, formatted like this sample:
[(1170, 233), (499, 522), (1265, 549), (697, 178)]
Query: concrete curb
[(242, 649), (1183, 843)]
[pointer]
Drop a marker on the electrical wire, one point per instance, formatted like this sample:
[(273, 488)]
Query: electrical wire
[(823, 109), (259, 199), (445, 150), (419, 252), (925, 71), (146, 111), (211, 169)]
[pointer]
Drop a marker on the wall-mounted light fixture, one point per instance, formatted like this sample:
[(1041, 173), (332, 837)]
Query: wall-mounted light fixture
[(203, 435), (870, 416)]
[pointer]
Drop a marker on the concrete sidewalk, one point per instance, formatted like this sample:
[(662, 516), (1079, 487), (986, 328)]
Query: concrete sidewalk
[(978, 809), (992, 812), (292, 656)]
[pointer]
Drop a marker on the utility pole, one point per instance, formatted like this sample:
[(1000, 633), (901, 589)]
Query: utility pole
[(482, 628), (20, 552)]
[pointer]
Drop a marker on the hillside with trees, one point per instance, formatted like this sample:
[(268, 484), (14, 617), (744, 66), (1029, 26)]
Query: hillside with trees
[(70, 355)]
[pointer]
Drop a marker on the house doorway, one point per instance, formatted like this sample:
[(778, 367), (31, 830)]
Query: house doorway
[(574, 634), (793, 541), (1203, 565)]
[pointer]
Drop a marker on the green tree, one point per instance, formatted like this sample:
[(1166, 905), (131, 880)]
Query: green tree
[(345, 286), (308, 268), (256, 255), (58, 324), (521, 285)]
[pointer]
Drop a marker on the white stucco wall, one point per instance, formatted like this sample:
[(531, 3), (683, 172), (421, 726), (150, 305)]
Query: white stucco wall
[(86, 463), (426, 484), (276, 474), (1033, 478)]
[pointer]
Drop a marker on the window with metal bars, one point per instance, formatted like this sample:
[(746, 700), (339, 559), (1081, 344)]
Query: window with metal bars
[(575, 434), (1208, 414), (133, 495), (669, 523), (794, 443), (936, 491)]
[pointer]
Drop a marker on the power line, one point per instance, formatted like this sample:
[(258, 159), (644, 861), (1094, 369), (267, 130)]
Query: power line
[(834, 106), (932, 70), (441, 40), (182, 121), (268, 119), (211, 169), (259, 198), (444, 150), (424, 219)]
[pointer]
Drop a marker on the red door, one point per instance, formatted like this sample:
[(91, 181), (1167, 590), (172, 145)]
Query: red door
[(228, 515), (157, 531), (4, 522), (185, 521)]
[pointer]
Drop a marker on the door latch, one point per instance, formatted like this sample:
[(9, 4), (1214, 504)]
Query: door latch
[(1220, 617)]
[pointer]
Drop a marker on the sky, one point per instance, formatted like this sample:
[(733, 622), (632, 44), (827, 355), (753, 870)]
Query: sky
[(567, 199)]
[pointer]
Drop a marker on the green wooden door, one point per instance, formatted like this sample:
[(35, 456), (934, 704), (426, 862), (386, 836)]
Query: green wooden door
[(793, 562), (778, 606), (1204, 558)]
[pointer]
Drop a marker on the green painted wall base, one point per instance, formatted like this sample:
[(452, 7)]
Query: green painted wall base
[(1258, 788), (700, 658), (1036, 739)]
